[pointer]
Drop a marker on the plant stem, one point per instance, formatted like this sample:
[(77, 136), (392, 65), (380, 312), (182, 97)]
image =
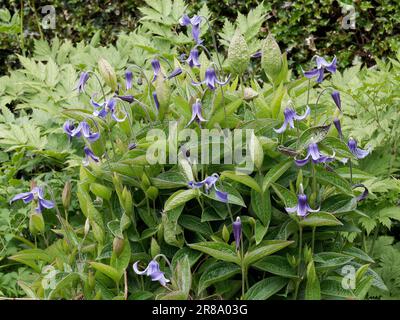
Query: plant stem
[(313, 240), (351, 171), (299, 262)]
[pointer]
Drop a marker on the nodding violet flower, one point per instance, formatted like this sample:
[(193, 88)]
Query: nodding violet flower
[(209, 183), (196, 113), (322, 64), (364, 194), (336, 98), (35, 194), (108, 106), (211, 80), (358, 153), (237, 231), (338, 127), (291, 115), (155, 64), (195, 23), (84, 77), (193, 59), (175, 73), (302, 208), (89, 155), (128, 79), (153, 271), (132, 146), (82, 128), (316, 156)]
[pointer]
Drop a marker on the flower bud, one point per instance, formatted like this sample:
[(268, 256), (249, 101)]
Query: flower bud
[(249, 94), (36, 223), (225, 233), (237, 231), (152, 192), (271, 59), (108, 74), (118, 245), (238, 54), (87, 227), (66, 195), (100, 191)]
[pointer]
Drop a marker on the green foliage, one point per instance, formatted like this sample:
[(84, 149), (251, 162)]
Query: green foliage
[(126, 209)]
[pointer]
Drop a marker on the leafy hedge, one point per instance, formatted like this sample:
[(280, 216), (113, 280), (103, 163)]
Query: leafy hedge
[(304, 27)]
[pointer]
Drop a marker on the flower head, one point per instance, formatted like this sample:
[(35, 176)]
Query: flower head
[(211, 80), (195, 23), (128, 79), (153, 271), (291, 115), (209, 183), (322, 65), (83, 128), (89, 155), (36, 194), (336, 98), (155, 64), (358, 153), (84, 77), (106, 107), (316, 156), (237, 231), (193, 59), (302, 208), (196, 113), (338, 127)]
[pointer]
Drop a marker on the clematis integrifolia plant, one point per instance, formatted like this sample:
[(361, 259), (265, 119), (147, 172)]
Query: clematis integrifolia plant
[(196, 113), (357, 152), (195, 22), (316, 156), (302, 208), (336, 98), (209, 183), (193, 59), (291, 115), (37, 195), (237, 231), (104, 108), (153, 270), (84, 77), (83, 128), (322, 65), (89, 155), (210, 79)]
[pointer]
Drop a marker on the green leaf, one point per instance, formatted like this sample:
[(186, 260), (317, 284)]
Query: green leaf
[(107, 270), (276, 172), (313, 290), (218, 250), (219, 115), (261, 205), (184, 276), (266, 248), (288, 197), (314, 134), (242, 178), (64, 283), (121, 262), (179, 198), (259, 232), (319, 219), (265, 288), (333, 179), (194, 223), (276, 265), (217, 272)]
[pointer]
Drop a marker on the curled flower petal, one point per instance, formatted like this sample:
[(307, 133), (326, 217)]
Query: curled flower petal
[(358, 153), (193, 59), (84, 77), (289, 116), (25, 196), (155, 64), (364, 194), (175, 73), (221, 195), (153, 271)]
